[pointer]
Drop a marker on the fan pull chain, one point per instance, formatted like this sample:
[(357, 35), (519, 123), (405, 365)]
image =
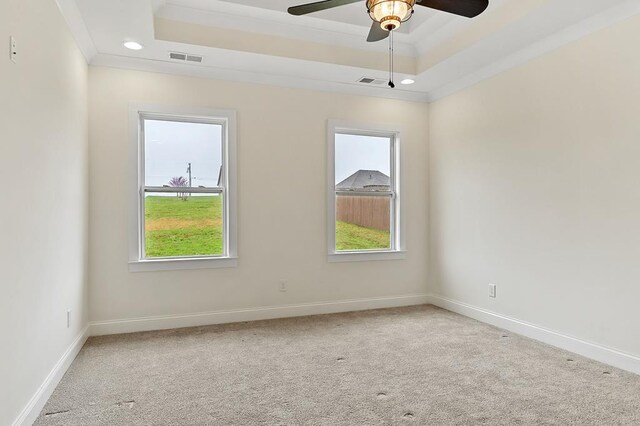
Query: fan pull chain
[(391, 84)]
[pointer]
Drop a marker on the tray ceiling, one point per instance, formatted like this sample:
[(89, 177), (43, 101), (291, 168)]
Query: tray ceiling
[(256, 40)]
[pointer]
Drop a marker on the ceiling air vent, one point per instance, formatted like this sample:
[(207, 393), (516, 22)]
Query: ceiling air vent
[(371, 80), (194, 58), (185, 57), (178, 56)]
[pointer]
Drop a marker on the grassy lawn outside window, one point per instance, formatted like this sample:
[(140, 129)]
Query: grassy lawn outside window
[(183, 228)]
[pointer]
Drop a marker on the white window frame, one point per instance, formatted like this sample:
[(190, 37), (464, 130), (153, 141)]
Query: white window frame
[(398, 249), (227, 119)]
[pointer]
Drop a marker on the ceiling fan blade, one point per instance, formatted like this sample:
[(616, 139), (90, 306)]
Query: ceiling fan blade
[(303, 9), (467, 8), (376, 33)]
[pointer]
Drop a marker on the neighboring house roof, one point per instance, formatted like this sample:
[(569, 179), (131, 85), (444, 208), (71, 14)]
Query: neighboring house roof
[(364, 180)]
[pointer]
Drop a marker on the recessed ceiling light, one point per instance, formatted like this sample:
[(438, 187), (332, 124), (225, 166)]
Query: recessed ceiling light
[(133, 45), (407, 81)]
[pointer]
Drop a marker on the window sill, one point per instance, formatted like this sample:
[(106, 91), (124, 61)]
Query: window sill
[(182, 264), (355, 256)]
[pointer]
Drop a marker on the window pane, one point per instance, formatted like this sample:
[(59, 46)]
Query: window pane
[(182, 154), (183, 225), (363, 163), (363, 223)]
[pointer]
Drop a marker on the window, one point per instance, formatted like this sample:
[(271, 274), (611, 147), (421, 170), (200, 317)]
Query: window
[(364, 193), (183, 215)]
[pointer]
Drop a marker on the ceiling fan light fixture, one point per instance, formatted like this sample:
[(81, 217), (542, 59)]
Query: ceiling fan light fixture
[(390, 13)]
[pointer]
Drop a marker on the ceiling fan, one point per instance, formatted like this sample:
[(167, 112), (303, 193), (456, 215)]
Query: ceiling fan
[(388, 15)]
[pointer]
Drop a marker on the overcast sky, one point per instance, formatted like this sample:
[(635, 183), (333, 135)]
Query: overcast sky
[(170, 146)]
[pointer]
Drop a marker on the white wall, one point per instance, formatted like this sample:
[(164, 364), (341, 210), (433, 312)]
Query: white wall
[(43, 206), (281, 193), (535, 186)]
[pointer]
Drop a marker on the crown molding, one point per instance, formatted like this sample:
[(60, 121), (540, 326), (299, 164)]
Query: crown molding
[(73, 17), (573, 33), (230, 74)]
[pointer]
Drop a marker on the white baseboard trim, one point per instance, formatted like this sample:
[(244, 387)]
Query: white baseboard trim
[(585, 348), (99, 328), (31, 411)]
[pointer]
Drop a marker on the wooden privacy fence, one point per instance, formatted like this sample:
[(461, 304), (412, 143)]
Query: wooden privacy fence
[(370, 212)]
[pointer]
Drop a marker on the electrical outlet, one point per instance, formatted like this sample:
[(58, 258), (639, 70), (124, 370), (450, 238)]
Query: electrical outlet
[(283, 286), (68, 318), (13, 50), (492, 290)]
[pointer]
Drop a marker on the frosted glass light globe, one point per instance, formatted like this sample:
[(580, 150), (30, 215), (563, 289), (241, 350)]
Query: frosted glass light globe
[(390, 13)]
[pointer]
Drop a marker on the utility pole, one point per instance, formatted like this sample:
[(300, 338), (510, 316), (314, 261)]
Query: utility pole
[(189, 171)]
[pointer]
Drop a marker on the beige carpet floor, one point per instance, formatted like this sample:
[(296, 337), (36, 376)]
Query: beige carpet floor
[(417, 365)]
